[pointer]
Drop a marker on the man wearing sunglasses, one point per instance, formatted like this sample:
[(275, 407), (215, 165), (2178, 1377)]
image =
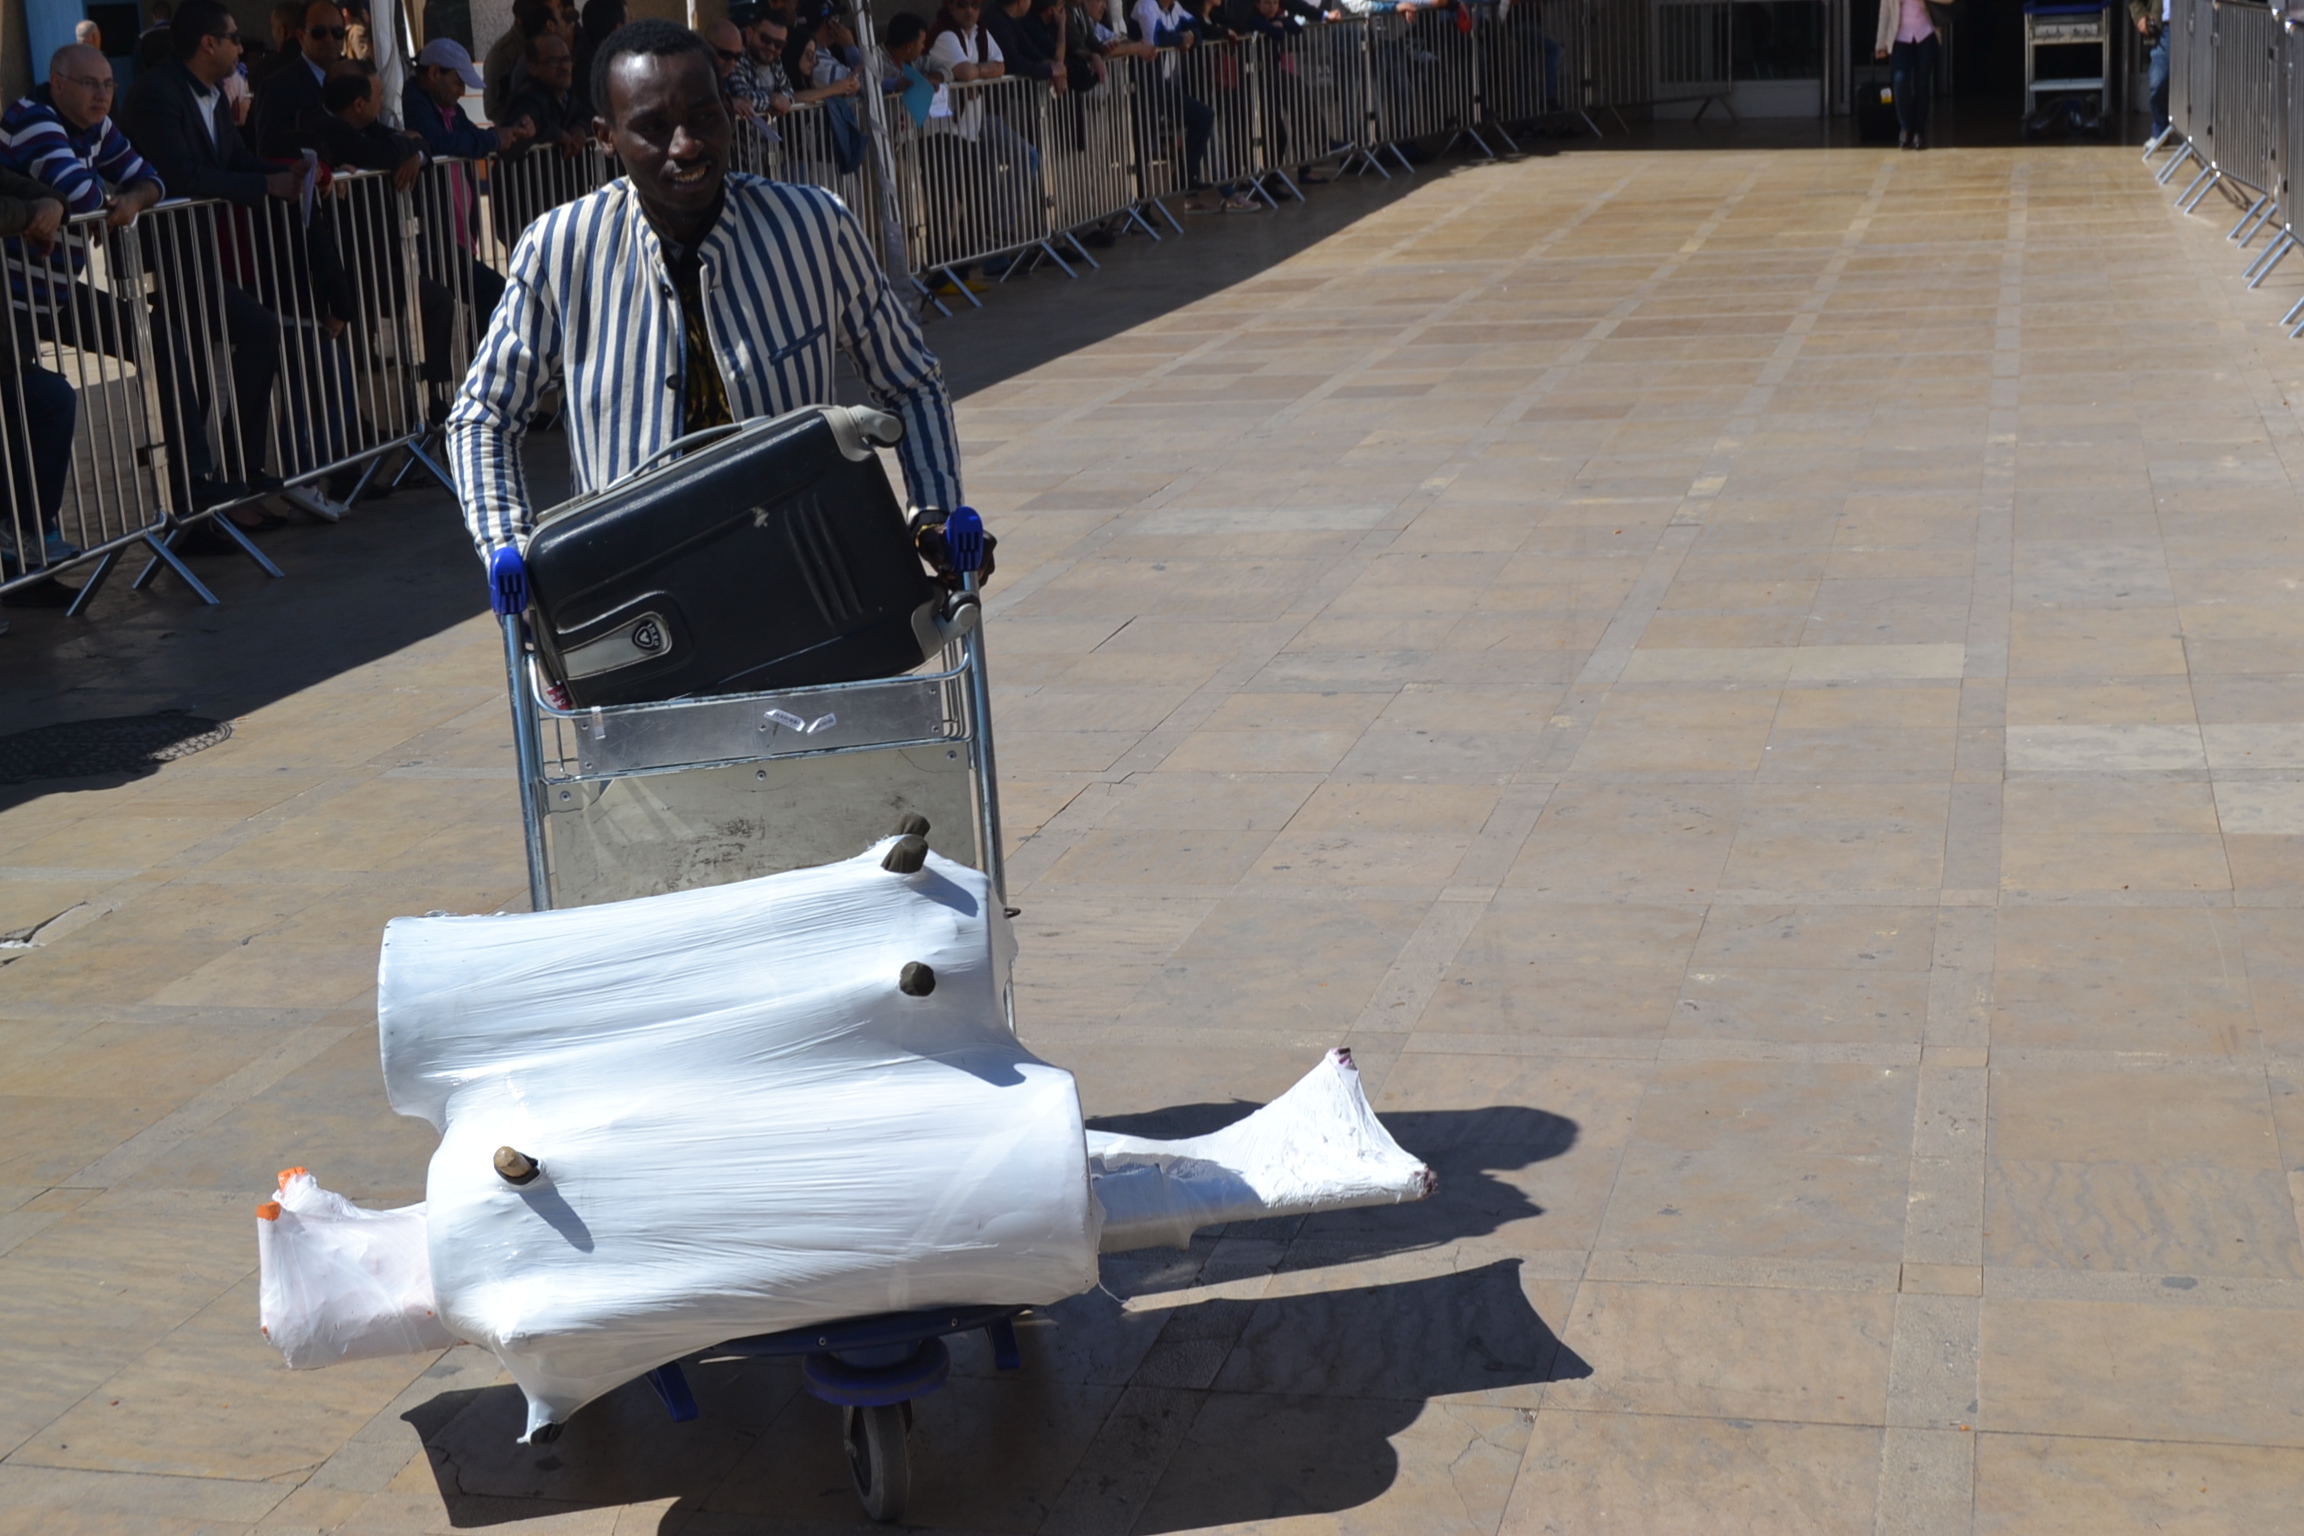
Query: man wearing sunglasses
[(176, 118), (290, 95)]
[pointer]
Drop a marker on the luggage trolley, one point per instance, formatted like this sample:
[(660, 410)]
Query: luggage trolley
[(626, 800), (2066, 24)]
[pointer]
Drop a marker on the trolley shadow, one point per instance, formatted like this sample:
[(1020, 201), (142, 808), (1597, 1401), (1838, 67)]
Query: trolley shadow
[(1296, 1410), (1129, 1414)]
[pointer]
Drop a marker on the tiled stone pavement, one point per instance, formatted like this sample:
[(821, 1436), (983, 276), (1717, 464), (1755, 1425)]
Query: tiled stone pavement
[(1761, 692)]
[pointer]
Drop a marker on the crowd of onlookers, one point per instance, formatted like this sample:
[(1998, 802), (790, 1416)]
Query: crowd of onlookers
[(255, 123)]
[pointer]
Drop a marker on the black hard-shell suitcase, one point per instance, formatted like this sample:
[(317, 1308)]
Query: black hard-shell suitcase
[(775, 557)]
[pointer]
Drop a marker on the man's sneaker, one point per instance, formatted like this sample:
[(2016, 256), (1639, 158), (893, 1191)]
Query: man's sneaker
[(55, 549)]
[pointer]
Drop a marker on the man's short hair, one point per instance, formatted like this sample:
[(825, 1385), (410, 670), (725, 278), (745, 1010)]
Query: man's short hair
[(198, 19), (903, 28), (345, 88), (650, 37)]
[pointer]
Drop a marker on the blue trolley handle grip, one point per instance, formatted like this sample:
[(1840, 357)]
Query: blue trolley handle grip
[(507, 582), (964, 540)]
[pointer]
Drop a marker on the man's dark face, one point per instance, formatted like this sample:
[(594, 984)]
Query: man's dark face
[(767, 41), (666, 124), (323, 39), (442, 84), (551, 65)]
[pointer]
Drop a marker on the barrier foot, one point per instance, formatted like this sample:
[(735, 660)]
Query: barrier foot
[(1284, 181), (2152, 144), (2202, 185), (1623, 126), (417, 455), (1136, 218), (2294, 310), (247, 545), (1511, 145), (966, 292), (1081, 251), (2271, 212), (2277, 251), (2247, 217), (1166, 216), (2273, 250), (94, 584), (924, 292), (2184, 152), (1048, 248), (1401, 155), (162, 554)]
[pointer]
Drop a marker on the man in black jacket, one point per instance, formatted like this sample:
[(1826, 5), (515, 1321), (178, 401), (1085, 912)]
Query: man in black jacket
[(179, 121), (291, 93)]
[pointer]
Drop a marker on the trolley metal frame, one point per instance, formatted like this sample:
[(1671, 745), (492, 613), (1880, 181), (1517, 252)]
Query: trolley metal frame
[(567, 758), (871, 1367)]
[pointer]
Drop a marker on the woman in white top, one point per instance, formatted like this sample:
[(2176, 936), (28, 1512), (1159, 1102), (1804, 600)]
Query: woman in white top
[(1908, 34)]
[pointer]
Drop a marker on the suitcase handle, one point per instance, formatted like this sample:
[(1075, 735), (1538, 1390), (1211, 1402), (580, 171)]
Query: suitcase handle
[(681, 445)]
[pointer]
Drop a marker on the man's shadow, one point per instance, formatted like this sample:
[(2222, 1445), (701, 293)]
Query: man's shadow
[(1143, 1411)]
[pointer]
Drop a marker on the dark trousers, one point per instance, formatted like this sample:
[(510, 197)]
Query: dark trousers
[(254, 333), (1912, 76), (2156, 81), (39, 459), (436, 308)]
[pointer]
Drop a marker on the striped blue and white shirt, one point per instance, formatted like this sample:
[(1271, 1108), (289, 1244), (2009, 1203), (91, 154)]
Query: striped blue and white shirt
[(786, 277)]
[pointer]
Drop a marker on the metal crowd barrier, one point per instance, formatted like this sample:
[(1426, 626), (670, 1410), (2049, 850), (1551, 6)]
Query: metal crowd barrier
[(86, 446), (2245, 134), (1425, 75)]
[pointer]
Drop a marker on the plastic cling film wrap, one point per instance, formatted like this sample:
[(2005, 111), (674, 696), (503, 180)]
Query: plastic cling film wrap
[(751, 1107), (1318, 1147), (337, 1282)]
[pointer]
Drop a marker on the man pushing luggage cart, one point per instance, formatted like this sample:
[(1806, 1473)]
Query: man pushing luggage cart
[(684, 306)]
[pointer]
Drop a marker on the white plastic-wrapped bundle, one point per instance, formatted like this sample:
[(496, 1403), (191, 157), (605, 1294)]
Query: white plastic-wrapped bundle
[(1317, 1147), (337, 1282), (741, 1119)]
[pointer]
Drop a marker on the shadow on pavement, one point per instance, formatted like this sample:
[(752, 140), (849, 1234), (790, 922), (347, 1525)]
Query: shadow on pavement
[(1294, 1413)]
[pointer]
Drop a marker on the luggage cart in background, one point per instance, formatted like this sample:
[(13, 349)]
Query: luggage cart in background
[(2068, 25), (633, 800)]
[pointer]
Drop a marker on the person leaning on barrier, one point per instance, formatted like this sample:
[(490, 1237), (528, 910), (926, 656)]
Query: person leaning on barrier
[(351, 135), (63, 137), (504, 73), (1020, 45), (176, 118), (1172, 31), (680, 297), (37, 407), (288, 95), (758, 86), (548, 101)]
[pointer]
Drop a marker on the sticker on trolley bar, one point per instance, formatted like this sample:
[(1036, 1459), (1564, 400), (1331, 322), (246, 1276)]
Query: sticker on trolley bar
[(646, 638), (793, 722)]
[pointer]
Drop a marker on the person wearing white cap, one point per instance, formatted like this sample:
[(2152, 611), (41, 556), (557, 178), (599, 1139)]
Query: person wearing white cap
[(433, 109), (433, 105)]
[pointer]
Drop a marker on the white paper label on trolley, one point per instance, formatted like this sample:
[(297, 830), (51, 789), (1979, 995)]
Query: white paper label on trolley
[(793, 722)]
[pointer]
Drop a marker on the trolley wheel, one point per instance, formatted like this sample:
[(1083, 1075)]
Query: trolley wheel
[(879, 1459)]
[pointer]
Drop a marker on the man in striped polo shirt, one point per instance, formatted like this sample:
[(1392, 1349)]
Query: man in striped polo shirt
[(682, 297)]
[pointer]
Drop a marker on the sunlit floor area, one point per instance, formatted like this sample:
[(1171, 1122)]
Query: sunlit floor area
[(1759, 690)]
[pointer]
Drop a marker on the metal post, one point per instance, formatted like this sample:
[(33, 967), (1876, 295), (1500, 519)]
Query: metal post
[(527, 761), (980, 752)]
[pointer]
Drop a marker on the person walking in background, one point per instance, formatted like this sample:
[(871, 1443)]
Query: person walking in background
[(1907, 35)]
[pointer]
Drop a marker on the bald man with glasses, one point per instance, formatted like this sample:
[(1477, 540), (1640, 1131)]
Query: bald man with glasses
[(63, 136)]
